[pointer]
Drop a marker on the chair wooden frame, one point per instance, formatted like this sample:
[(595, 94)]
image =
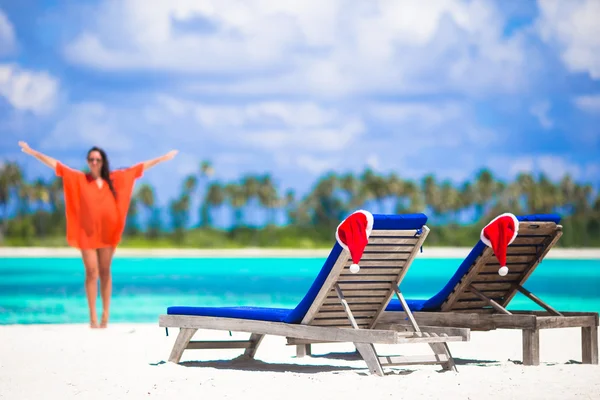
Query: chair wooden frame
[(480, 298), (346, 309)]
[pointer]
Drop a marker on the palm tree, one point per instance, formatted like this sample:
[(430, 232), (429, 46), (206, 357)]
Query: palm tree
[(549, 194), (26, 196), (396, 190), (567, 193), (145, 196), (41, 191), (351, 185), (131, 224), (179, 210), (289, 203), (484, 191), (467, 195), (11, 178), (55, 195), (206, 169), (325, 207), (331, 198), (432, 194), (511, 199), (190, 184), (237, 199), (582, 199), (449, 201), (206, 172), (416, 200), (374, 188), (215, 197), (40, 196), (251, 187), (268, 197), (57, 206)]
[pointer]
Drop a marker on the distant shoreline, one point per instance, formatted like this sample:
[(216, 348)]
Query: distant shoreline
[(428, 252)]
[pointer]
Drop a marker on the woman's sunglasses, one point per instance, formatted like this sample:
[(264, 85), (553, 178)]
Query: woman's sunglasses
[(93, 160)]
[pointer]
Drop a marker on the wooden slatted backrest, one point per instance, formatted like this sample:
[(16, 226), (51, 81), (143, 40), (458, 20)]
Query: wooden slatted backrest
[(528, 249), (385, 261)]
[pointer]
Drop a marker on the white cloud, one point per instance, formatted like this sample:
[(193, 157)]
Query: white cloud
[(185, 163), (297, 139), (28, 90), (302, 114), (427, 114), (271, 126), (249, 136), (417, 125), (553, 166), (541, 112), (90, 124), (318, 140), (514, 167), (7, 35), (557, 167), (316, 165), (310, 136), (316, 47), (589, 104), (373, 161), (573, 26), (228, 165)]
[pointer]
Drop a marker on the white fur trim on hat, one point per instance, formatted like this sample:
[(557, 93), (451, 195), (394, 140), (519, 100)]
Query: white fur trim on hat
[(516, 222), (369, 227)]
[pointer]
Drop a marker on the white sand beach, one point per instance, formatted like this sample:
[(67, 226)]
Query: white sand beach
[(128, 361)]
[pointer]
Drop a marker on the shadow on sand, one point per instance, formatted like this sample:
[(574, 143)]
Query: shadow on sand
[(355, 356), (250, 364), (242, 363)]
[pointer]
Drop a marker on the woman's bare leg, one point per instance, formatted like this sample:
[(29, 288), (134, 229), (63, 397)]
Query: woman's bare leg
[(90, 261), (105, 256)]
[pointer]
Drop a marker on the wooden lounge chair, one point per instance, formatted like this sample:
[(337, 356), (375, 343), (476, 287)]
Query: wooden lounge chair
[(339, 307), (476, 296)]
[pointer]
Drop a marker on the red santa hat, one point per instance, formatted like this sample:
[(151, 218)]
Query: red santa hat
[(353, 235), (498, 235)]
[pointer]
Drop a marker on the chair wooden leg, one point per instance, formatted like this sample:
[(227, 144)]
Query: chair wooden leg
[(254, 340), (443, 349), (303, 350), (181, 343), (589, 344), (368, 353), (531, 347)]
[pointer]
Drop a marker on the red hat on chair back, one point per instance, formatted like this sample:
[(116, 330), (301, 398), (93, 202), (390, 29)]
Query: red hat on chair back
[(498, 235), (353, 235)]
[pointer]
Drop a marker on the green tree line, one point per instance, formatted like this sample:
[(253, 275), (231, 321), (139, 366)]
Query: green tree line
[(456, 212)]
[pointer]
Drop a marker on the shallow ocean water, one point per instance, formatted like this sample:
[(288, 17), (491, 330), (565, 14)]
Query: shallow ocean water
[(50, 290)]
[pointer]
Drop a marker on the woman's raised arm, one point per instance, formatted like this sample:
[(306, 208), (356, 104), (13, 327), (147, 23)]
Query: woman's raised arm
[(151, 163), (49, 161)]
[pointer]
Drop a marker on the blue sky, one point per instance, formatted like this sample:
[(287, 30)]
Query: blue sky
[(297, 89)]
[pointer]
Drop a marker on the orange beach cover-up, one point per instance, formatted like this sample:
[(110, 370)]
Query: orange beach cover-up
[(95, 219)]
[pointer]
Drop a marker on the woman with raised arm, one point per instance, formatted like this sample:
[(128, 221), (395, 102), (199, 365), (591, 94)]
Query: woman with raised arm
[(96, 206)]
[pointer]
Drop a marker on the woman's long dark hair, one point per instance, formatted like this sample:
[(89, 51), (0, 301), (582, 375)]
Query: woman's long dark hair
[(105, 169)]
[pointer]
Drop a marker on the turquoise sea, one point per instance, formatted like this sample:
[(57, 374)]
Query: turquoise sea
[(50, 290)]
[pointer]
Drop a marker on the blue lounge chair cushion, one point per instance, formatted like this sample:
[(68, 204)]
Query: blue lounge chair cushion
[(257, 313), (436, 301), (295, 316)]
